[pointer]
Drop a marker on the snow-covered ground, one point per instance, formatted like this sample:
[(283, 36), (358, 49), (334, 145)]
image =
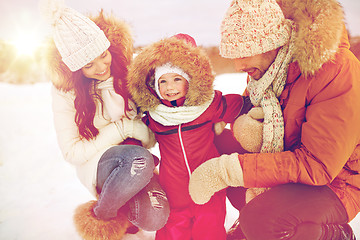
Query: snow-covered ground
[(38, 189)]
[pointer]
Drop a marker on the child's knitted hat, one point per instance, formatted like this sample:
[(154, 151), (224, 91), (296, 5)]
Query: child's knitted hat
[(252, 27), (78, 39)]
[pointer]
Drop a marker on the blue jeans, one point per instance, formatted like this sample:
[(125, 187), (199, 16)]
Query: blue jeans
[(125, 180)]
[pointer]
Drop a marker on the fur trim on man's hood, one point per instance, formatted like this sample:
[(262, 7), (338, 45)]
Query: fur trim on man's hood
[(192, 60), (319, 27), (117, 32)]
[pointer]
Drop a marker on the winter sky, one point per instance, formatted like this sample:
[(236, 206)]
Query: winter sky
[(150, 20)]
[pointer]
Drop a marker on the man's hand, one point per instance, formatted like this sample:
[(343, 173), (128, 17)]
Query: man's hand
[(215, 175)]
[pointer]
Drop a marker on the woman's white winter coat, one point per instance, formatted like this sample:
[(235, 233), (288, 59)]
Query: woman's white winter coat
[(83, 154)]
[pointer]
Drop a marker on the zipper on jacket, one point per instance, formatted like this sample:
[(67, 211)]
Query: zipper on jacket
[(183, 151)]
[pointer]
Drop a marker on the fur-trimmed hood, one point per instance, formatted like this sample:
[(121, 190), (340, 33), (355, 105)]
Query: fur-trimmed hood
[(117, 32), (192, 60), (319, 29)]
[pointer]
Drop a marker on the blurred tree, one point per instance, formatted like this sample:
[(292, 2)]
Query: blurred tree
[(20, 68), (7, 55)]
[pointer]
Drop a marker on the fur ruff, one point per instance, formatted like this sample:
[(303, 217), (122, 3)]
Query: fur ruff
[(90, 227), (117, 32), (319, 27), (193, 60)]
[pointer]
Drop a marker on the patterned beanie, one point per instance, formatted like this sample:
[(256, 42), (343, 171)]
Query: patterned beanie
[(252, 27), (78, 39)]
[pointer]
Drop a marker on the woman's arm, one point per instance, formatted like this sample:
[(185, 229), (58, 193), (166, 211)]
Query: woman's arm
[(75, 149)]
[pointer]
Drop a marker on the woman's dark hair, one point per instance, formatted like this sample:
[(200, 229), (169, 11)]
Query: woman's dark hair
[(85, 104)]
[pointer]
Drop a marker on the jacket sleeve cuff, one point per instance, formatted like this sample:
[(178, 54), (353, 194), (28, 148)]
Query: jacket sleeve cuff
[(248, 163)]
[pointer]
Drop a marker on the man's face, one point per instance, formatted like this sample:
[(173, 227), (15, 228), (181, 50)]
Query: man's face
[(257, 65)]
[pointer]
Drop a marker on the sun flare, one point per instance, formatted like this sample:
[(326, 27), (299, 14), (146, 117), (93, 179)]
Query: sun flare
[(26, 44)]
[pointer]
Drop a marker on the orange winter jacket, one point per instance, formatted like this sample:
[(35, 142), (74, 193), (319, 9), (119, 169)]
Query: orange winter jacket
[(322, 132)]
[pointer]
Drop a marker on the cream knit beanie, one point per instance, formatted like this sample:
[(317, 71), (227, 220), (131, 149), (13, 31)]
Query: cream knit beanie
[(78, 39), (252, 27)]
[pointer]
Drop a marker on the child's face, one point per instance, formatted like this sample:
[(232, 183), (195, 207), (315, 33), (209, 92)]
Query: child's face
[(99, 68), (172, 86)]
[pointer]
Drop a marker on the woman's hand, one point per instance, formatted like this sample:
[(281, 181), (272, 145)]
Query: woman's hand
[(135, 128)]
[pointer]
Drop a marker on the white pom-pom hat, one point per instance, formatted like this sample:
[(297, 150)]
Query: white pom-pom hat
[(78, 39)]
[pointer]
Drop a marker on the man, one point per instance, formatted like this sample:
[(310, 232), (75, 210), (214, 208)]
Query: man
[(307, 82)]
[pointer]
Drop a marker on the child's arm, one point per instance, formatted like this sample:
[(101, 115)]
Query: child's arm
[(233, 106)]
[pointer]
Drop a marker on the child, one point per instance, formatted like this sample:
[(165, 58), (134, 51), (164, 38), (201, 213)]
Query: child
[(172, 81), (94, 117)]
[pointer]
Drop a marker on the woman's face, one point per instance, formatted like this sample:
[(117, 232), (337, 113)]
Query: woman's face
[(99, 68)]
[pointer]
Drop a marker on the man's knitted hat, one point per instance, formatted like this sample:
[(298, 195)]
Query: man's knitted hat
[(78, 39), (252, 27)]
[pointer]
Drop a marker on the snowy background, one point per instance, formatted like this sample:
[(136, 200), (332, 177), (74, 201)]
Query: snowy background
[(38, 189)]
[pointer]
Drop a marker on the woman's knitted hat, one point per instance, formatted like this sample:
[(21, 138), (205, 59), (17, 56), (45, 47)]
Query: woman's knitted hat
[(252, 27), (78, 39)]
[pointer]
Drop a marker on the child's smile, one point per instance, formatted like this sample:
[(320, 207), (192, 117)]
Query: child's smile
[(172, 86)]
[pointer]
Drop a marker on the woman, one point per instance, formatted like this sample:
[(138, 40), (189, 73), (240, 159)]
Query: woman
[(97, 126)]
